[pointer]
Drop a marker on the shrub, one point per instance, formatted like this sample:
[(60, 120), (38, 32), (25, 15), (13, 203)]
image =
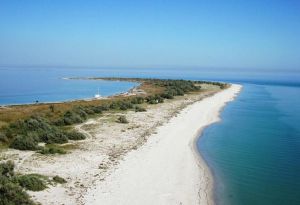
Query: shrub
[(59, 122), (124, 105), (87, 110), (51, 107), (97, 109), (70, 117), (24, 143), (114, 105), (13, 194), (82, 112), (52, 150), (32, 182), (31, 124), (75, 135), (167, 95), (137, 100), (53, 136), (139, 109), (3, 137), (122, 119), (7, 169), (59, 180), (154, 99), (104, 107)]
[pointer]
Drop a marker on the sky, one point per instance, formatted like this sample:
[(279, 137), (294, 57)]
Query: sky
[(256, 34)]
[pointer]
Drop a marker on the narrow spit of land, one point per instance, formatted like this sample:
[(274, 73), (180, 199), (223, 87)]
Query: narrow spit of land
[(90, 142)]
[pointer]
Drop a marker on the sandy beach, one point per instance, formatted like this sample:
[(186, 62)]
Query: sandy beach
[(150, 160), (167, 169)]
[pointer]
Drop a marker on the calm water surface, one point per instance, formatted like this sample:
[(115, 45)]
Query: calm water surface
[(19, 86), (254, 152)]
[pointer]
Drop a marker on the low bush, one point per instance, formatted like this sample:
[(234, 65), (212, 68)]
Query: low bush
[(31, 124), (71, 117), (167, 95), (12, 194), (53, 136), (59, 180), (154, 99), (139, 109), (73, 135), (52, 150), (125, 105), (7, 169), (137, 100), (104, 107), (97, 109), (122, 119), (3, 137), (32, 182), (23, 142)]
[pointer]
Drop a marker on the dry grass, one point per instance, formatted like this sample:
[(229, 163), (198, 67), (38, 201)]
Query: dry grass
[(13, 113)]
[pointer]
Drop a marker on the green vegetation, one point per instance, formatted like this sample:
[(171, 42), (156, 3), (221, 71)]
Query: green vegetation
[(13, 194), (3, 138), (59, 180), (12, 185), (137, 100), (26, 134), (11, 191), (122, 119), (154, 99), (32, 182), (48, 123), (75, 135), (52, 150), (7, 169), (139, 109), (24, 143)]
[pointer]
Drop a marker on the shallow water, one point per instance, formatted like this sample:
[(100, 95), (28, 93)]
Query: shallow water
[(19, 86), (254, 152)]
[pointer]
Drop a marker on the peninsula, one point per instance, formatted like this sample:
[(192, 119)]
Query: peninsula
[(134, 148)]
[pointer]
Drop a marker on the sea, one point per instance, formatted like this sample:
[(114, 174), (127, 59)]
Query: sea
[(253, 152)]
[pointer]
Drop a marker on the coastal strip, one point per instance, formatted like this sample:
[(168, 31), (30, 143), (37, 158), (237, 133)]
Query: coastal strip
[(167, 169)]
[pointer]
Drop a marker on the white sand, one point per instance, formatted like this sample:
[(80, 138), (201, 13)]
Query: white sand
[(166, 169)]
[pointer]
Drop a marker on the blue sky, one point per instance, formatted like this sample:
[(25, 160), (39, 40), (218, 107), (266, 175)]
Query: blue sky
[(226, 34)]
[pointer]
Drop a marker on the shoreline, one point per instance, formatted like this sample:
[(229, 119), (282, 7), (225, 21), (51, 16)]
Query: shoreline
[(128, 92), (99, 159), (177, 176), (211, 182)]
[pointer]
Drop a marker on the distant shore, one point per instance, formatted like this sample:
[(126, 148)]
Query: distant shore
[(168, 168)]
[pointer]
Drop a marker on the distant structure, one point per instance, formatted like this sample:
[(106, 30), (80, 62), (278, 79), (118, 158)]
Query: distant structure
[(97, 96)]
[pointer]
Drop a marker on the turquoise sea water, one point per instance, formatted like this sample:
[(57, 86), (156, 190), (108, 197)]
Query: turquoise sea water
[(254, 152)]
